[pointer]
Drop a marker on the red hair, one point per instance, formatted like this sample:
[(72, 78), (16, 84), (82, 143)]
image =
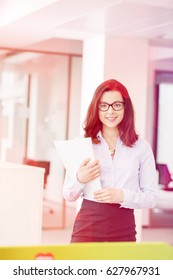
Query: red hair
[(93, 125)]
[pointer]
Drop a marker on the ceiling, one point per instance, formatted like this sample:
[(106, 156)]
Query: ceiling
[(27, 23)]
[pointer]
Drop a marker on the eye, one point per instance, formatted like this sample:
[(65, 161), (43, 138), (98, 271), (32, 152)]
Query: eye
[(118, 105), (103, 106)]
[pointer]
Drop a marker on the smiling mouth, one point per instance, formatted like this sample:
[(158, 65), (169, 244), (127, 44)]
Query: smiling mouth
[(111, 118)]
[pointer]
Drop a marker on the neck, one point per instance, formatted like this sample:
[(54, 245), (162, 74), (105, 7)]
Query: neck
[(110, 133)]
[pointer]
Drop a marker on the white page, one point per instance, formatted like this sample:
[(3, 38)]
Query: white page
[(72, 153)]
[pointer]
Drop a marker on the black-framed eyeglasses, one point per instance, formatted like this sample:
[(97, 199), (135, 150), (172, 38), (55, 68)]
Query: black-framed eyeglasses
[(116, 106)]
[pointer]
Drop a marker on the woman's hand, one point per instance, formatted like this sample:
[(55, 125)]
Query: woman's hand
[(88, 171), (109, 195)]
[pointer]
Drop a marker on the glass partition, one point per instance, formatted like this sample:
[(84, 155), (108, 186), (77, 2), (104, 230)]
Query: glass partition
[(39, 103)]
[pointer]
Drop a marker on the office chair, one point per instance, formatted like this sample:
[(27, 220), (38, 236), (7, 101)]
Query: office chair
[(39, 163), (164, 176), (46, 203), (46, 165)]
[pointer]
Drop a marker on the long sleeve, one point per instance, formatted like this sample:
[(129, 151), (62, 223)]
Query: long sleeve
[(72, 189), (146, 194)]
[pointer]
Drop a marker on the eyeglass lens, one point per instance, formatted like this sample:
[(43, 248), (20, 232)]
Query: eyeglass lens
[(116, 106)]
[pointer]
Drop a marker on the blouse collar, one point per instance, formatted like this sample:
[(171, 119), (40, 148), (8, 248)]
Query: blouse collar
[(99, 135)]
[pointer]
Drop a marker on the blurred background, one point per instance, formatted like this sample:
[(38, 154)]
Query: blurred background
[(53, 54)]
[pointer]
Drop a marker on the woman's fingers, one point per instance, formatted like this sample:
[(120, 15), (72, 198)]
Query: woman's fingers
[(85, 162), (101, 196), (109, 195), (94, 169), (95, 174), (88, 170), (100, 192), (104, 194), (92, 164)]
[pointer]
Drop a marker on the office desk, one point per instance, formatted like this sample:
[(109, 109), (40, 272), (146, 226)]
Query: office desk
[(162, 214), (21, 196), (91, 251)]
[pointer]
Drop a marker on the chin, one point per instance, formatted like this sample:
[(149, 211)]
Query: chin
[(111, 125)]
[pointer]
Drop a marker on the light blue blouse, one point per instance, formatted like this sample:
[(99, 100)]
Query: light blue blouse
[(132, 170)]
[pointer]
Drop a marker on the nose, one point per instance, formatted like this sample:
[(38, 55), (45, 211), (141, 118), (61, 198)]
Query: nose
[(110, 110)]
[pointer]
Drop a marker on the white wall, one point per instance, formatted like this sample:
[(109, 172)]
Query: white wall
[(159, 59), (126, 59)]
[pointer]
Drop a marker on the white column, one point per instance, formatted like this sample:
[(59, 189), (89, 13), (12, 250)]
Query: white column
[(92, 75), (92, 69)]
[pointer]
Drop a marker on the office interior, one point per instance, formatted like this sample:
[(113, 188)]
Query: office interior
[(53, 54)]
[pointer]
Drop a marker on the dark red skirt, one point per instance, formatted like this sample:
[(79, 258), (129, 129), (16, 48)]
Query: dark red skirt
[(104, 222)]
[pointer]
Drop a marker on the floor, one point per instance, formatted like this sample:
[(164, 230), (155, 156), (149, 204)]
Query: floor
[(53, 234)]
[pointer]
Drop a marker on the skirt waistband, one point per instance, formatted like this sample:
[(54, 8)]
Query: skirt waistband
[(104, 219)]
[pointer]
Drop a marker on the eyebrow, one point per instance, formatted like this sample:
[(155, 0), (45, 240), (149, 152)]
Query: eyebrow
[(112, 102)]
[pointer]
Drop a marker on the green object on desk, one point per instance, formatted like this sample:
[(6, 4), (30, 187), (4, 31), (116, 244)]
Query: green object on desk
[(91, 251)]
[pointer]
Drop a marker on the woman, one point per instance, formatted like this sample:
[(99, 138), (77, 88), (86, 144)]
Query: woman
[(125, 164)]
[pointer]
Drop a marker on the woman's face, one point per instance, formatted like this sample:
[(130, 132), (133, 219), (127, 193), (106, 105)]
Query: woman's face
[(111, 118)]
